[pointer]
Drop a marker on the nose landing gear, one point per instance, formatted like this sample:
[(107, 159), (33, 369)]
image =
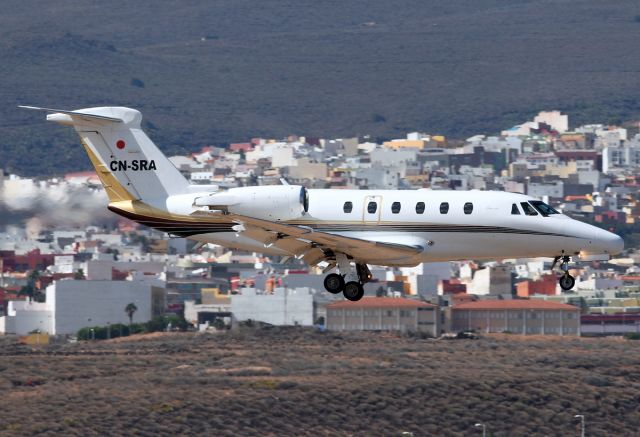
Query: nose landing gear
[(566, 281), (348, 282)]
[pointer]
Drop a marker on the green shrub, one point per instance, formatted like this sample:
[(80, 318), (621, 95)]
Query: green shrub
[(156, 324), (122, 330), (119, 330), (137, 328)]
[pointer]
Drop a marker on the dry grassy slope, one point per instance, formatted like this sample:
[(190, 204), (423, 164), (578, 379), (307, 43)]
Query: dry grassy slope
[(301, 382), (319, 68)]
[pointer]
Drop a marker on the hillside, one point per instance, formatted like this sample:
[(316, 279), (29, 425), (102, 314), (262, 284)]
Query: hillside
[(293, 381), (212, 73)]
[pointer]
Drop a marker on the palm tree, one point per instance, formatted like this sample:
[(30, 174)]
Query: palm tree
[(130, 309)]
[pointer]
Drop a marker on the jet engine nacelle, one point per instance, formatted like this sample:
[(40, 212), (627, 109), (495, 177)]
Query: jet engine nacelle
[(268, 202)]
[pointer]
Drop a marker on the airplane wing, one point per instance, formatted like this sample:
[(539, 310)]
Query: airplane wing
[(314, 246)]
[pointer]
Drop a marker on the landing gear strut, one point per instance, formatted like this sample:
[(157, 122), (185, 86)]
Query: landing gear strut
[(348, 282), (566, 281)]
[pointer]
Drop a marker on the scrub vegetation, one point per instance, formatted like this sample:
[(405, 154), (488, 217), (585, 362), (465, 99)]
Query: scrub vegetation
[(295, 381), (217, 72)]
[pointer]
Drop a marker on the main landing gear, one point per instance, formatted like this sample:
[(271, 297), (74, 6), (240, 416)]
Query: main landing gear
[(348, 282), (566, 281)]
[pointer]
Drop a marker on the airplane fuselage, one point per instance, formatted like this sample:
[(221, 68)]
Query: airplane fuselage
[(452, 225)]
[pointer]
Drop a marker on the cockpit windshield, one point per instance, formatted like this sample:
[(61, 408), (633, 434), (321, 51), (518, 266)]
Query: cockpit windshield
[(543, 208), (528, 209)]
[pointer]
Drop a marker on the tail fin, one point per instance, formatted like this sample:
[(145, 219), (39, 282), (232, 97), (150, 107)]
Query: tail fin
[(129, 165)]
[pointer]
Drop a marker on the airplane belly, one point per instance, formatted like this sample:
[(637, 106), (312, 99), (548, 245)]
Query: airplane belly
[(490, 246)]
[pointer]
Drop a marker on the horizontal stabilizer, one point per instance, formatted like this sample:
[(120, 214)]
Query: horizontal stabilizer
[(74, 113)]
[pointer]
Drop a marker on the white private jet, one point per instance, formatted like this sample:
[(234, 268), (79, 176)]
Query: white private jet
[(346, 229)]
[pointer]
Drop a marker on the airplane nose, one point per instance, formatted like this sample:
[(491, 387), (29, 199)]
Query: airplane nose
[(611, 243), (617, 244)]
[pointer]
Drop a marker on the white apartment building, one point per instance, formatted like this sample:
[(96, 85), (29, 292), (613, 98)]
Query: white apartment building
[(71, 305), (284, 307)]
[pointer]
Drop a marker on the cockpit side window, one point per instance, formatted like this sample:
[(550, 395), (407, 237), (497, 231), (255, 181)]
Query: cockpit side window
[(528, 209), (514, 209), (543, 208)]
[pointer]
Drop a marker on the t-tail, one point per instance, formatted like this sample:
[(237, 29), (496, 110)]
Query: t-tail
[(129, 165)]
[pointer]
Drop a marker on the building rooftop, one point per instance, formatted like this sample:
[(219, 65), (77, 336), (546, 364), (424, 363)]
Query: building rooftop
[(514, 304), (380, 302)]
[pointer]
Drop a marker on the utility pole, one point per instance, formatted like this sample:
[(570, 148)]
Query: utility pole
[(581, 416)]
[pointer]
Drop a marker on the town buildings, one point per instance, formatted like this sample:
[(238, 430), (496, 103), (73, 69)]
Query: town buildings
[(384, 314), (590, 171), (518, 316)]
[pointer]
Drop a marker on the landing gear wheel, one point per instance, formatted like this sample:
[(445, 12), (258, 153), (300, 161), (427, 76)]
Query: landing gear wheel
[(334, 283), (353, 291), (567, 282)]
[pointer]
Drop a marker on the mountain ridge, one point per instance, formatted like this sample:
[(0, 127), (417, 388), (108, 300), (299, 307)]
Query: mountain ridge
[(225, 72)]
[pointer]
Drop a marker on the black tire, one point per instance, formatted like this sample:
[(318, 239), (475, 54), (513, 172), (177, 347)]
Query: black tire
[(353, 291), (334, 283), (566, 282)]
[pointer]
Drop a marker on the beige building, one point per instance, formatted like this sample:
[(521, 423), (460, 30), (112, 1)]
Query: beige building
[(305, 169), (491, 280), (555, 119), (397, 144), (384, 314), (518, 316)]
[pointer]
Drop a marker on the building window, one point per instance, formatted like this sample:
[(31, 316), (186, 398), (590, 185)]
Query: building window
[(514, 209), (420, 208), (468, 208), (444, 207), (348, 207), (395, 207), (372, 207)]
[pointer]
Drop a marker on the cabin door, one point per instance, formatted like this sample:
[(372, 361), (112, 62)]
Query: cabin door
[(371, 209)]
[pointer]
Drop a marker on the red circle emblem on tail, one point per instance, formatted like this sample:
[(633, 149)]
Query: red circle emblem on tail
[(120, 144)]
